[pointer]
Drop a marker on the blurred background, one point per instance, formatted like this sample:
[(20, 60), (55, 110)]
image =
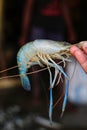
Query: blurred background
[(24, 110)]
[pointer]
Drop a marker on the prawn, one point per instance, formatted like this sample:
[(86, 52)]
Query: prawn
[(43, 53)]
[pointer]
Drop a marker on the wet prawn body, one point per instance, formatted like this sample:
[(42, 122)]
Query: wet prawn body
[(43, 52), (36, 52)]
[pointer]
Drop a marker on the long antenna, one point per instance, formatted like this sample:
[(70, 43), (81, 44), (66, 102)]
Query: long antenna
[(8, 69), (58, 100), (12, 76)]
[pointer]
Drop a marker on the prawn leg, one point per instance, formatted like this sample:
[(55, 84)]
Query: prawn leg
[(59, 67), (55, 76)]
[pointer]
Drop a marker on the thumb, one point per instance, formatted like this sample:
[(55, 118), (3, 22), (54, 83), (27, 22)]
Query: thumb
[(80, 56)]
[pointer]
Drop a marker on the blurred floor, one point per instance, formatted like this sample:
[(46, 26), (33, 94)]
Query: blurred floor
[(18, 113)]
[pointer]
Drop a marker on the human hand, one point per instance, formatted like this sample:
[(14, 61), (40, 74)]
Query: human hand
[(80, 54)]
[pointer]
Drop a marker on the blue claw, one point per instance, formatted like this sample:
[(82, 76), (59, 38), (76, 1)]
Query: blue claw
[(51, 106), (65, 97), (51, 98)]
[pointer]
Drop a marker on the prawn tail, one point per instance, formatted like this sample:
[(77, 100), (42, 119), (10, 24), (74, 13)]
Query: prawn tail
[(24, 78), (25, 82), (22, 67)]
